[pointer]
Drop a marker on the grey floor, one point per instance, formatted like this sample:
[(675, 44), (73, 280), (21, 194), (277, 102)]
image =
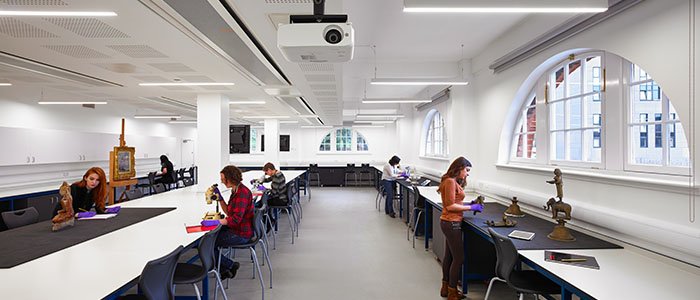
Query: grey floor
[(346, 250)]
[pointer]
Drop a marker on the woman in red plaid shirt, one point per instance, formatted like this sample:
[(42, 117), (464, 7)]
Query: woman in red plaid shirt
[(238, 225)]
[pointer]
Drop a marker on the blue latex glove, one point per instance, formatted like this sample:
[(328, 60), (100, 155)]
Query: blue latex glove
[(207, 223), (113, 210), (476, 207), (87, 214), (261, 188)]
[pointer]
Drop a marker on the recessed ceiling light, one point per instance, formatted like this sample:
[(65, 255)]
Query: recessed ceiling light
[(395, 100), (182, 121), (505, 6), (30, 13), (243, 102), (265, 117), (185, 83), (407, 81), (157, 116), (379, 116), (71, 102), (5, 84)]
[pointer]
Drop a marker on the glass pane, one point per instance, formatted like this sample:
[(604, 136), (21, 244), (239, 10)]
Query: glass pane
[(533, 102), (519, 146), (678, 152), (591, 108), (557, 115), (573, 81), (637, 74), (558, 145), (642, 155), (593, 79), (531, 119), (592, 145), (642, 106), (557, 80), (672, 114), (575, 147), (574, 107), (530, 146)]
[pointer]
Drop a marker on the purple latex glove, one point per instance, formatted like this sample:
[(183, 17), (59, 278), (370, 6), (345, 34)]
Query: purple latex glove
[(87, 214), (252, 181), (113, 210), (261, 188), (207, 223), (476, 207)]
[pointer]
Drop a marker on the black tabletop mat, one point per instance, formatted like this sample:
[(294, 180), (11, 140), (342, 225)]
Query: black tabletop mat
[(30, 242), (541, 228)]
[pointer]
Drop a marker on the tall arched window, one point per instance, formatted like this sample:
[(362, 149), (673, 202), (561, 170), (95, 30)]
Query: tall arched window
[(361, 143), (343, 138), (435, 135)]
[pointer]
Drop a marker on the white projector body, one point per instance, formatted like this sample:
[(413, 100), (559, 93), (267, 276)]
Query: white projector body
[(316, 42)]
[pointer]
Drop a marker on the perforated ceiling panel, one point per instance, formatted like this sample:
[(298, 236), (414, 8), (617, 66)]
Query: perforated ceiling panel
[(195, 78), (138, 51), (320, 77), (151, 78), (288, 1), (171, 67), (88, 27), (317, 67), (77, 51), (121, 68), (324, 93), (34, 2), (322, 86), (16, 28)]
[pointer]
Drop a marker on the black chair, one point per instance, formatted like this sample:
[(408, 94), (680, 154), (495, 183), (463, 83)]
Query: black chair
[(180, 175), (289, 209), (191, 273), (523, 282), (151, 181), (187, 181), (193, 173), (365, 170), (156, 279), (350, 169), (418, 206), (20, 217), (133, 194), (313, 170), (159, 188)]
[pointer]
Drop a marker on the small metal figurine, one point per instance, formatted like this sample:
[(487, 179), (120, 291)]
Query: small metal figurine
[(504, 223), (479, 200), (212, 195), (560, 233), (66, 216), (514, 209)]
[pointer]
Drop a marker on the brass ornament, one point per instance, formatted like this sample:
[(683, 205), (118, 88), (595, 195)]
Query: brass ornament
[(561, 211), (514, 209)]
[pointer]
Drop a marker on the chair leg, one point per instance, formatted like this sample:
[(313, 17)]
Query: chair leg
[(196, 290), (219, 285), (521, 296), (291, 226), (257, 267), (267, 257), (415, 226)]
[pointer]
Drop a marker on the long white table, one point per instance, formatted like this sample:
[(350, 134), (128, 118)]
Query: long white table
[(96, 268), (628, 273)]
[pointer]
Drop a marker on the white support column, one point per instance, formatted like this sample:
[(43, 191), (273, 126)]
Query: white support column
[(212, 138), (272, 141)]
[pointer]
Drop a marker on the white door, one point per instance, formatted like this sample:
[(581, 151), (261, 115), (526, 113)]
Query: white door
[(187, 153)]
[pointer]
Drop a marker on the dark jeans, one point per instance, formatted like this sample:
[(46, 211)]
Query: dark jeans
[(454, 252), (226, 238), (389, 192)]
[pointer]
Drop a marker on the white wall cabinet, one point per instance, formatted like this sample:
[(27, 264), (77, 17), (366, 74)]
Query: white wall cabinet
[(15, 147)]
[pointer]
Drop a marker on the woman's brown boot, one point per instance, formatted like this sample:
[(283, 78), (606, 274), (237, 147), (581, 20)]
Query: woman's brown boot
[(443, 290), (453, 294)]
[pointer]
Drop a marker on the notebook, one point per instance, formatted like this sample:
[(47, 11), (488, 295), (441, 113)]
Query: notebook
[(99, 217), (523, 235), (572, 259), (198, 228)]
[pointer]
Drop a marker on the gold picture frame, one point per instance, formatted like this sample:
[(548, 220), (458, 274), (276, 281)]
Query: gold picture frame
[(123, 167)]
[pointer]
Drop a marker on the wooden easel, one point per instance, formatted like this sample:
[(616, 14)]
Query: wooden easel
[(113, 183)]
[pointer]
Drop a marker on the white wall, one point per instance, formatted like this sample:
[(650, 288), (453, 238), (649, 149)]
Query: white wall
[(652, 214)]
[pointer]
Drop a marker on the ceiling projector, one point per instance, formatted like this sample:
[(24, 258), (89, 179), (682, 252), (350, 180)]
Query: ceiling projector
[(317, 38)]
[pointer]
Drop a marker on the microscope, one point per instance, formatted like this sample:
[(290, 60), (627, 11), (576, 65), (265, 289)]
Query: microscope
[(212, 195)]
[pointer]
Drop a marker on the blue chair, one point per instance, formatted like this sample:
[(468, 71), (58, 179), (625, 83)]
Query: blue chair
[(156, 280), (191, 273), (20, 217)]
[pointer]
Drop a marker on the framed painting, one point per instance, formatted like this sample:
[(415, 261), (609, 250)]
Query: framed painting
[(123, 163)]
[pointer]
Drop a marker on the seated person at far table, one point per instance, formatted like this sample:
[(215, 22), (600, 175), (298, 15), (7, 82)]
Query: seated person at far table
[(91, 190), (278, 188), (238, 224)]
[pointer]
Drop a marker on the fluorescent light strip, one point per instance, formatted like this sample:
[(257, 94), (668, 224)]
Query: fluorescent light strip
[(367, 126), (157, 116), (373, 122), (505, 6), (5, 84), (182, 121), (247, 102), (265, 117), (379, 116), (315, 126), (402, 81), (395, 100), (503, 10), (57, 13), (71, 102), (185, 83)]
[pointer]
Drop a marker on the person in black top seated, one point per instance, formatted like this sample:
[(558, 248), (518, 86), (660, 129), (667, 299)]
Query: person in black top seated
[(91, 190), (167, 174)]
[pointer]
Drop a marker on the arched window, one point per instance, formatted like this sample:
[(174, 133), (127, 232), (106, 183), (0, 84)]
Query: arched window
[(344, 138), (435, 136), (325, 143), (577, 109), (361, 143)]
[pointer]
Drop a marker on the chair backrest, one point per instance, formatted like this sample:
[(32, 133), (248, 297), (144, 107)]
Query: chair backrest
[(418, 201), (187, 181), (20, 217), (206, 250), (257, 224), (159, 187), (291, 191), (313, 168), (365, 168), (151, 178), (181, 174), (191, 172), (157, 276), (506, 255), (266, 196), (350, 168), (133, 194)]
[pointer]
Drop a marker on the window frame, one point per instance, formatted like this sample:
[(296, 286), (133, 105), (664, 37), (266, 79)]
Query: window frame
[(429, 135), (334, 139), (517, 134)]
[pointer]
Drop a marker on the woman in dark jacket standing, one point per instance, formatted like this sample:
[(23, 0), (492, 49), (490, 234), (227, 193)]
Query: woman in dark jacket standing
[(167, 174)]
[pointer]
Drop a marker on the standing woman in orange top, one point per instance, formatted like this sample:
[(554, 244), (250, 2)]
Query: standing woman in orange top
[(452, 191)]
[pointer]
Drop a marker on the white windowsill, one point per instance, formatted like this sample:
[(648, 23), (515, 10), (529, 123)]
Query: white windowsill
[(668, 183), (435, 157)]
